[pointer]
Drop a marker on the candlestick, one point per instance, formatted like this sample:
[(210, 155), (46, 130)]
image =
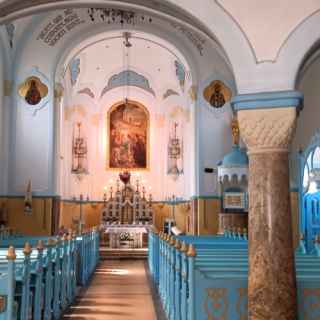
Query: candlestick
[(144, 192), (111, 192)]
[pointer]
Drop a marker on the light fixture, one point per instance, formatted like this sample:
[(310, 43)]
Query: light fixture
[(126, 62)]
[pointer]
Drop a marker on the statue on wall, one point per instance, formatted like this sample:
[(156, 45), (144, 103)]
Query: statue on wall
[(217, 94), (28, 199), (33, 91), (235, 131), (79, 151)]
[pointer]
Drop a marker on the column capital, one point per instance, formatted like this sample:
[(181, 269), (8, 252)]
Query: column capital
[(268, 100), (267, 130)]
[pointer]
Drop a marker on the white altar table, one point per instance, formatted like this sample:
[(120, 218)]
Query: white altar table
[(126, 236)]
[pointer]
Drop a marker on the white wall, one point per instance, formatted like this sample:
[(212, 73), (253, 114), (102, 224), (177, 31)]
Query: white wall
[(4, 111), (38, 148), (157, 65)]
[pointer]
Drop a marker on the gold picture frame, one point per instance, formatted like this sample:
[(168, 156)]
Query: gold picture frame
[(108, 135)]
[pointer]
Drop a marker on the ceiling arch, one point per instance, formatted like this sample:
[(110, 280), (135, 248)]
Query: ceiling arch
[(214, 23)]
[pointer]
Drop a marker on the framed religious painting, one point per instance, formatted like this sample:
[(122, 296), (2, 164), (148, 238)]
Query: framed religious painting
[(128, 136)]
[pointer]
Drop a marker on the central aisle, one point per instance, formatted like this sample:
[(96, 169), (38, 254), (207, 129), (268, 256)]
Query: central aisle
[(119, 290)]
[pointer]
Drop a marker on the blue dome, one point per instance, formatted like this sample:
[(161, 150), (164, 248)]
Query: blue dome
[(236, 158)]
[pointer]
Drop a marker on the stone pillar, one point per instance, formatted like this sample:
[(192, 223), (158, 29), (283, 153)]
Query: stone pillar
[(267, 132)]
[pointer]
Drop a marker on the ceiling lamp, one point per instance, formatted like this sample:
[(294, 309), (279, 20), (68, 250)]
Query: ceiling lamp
[(126, 62)]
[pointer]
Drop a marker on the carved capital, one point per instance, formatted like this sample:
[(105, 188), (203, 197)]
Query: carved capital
[(267, 130)]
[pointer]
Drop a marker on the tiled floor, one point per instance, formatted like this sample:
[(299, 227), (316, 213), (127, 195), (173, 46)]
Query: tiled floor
[(119, 290)]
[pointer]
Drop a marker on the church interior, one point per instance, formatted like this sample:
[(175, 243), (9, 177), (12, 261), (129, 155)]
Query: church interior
[(159, 160)]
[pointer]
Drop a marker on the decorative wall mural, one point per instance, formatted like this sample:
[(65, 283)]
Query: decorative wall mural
[(88, 92), (78, 109), (194, 38), (10, 31), (128, 124), (59, 26), (79, 151), (180, 73), (74, 69), (33, 90), (217, 94), (128, 78), (175, 153), (169, 93)]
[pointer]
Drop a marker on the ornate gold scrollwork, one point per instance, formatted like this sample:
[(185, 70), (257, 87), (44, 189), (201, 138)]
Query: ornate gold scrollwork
[(216, 304)]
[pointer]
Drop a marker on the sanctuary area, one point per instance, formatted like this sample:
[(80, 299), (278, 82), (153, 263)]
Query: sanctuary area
[(159, 160)]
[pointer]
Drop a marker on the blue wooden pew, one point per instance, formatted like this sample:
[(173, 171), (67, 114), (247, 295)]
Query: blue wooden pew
[(48, 278), (191, 277)]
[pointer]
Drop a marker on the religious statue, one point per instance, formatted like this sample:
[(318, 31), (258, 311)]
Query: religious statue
[(28, 199), (235, 131)]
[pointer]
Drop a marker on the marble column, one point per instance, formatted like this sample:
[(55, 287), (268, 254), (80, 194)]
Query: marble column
[(272, 281)]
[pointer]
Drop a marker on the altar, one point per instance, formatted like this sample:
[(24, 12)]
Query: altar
[(126, 236), (127, 215)]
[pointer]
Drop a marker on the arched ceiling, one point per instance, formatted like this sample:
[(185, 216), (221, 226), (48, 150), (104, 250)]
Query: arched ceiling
[(268, 24), (55, 34), (265, 43), (152, 63)]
